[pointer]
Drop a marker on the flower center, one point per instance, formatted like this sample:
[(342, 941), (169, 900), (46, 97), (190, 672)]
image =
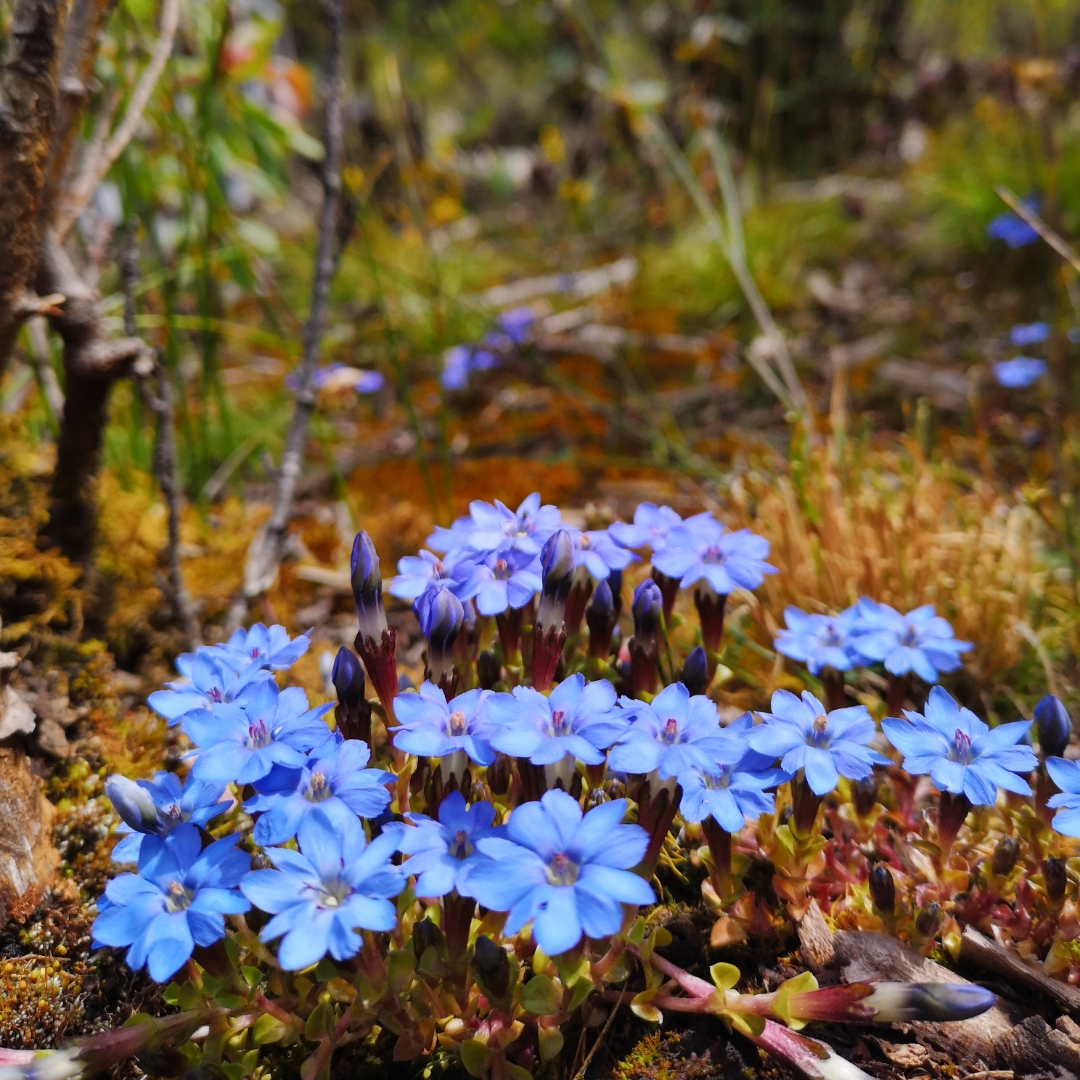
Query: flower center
[(333, 893), (178, 898), (712, 554), (460, 848), (562, 870), (821, 722), (457, 722), (721, 780), (559, 723), (318, 789), (259, 735), (256, 653), (961, 747), (501, 567), (831, 637), (214, 694), (910, 637), (670, 734)]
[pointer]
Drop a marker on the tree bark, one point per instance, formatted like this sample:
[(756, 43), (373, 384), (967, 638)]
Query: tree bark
[(28, 106)]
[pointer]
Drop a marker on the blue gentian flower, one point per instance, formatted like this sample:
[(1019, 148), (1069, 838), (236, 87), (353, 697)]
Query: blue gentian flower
[(919, 641), (1013, 229), (504, 580), (242, 744), (494, 526), (418, 574), (337, 777), (339, 377), (729, 794), (266, 647), (322, 894), (704, 551), (442, 854), (819, 641), (210, 682), (515, 324), (959, 752), (825, 745), (669, 735), (156, 807), (457, 363), (566, 872), (1019, 373), (1024, 334), (578, 720), (651, 528), (1066, 774), (431, 727), (599, 554), (176, 901)]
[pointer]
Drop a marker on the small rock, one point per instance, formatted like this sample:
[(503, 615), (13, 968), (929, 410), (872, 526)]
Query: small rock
[(51, 739), (28, 860), (15, 715)]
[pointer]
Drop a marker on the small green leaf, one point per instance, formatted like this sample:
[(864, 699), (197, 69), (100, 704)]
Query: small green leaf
[(516, 1072), (541, 995), (725, 976), (475, 1056), (320, 1022), (228, 1000), (232, 1069), (637, 932), (325, 970), (747, 1023), (171, 994), (551, 1042), (582, 989), (252, 975), (269, 1029)]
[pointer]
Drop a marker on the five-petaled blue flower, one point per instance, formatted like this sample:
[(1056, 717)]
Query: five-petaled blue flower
[(1019, 373), (265, 647), (322, 894), (825, 745), (670, 735), (599, 554), (702, 550), (490, 527), (1066, 774), (504, 579), (566, 872), (959, 752), (176, 901), (819, 641), (156, 807), (651, 527), (578, 720), (419, 573), (442, 854), (431, 727), (338, 777), (243, 743), (209, 683), (919, 641)]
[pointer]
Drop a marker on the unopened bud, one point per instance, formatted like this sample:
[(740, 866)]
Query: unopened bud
[(1055, 879), (425, 935), (897, 1003), (695, 672), (499, 774), (134, 804), (615, 580), (488, 669), (883, 888), (929, 919), (864, 795), (367, 587), (492, 965), (1005, 855), (646, 609), (348, 678), (557, 560), (600, 617), (441, 617), (1053, 725)]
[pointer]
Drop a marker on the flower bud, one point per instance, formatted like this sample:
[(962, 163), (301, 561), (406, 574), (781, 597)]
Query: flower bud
[(1053, 725), (614, 581), (441, 617), (695, 672), (929, 919), (492, 965), (134, 804), (895, 1002), (488, 670), (499, 775), (1005, 856), (600, 617), (367, 588), (348, 678), (557, 560), (404, 684), (864, 795), (646, 609), (1055, 879), (425, 935), (883, 888)]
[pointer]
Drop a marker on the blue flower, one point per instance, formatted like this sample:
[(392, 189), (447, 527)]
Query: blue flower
[(651, 528), (730, 795), (1066, 774), (599, 554), (442, 854), (338, 778), (1029, 334), (524, 529), (210, 682), (322, 894), (515, 324), (819, 641), (505, 579), (670, 735), (1019, 372), (156, 807), (417, 574), (176, 901), (339, 377), (265, 647), (919, 641), (1012, 228), (959, 752), (578, 720), (824, 745), (242, 744), (567, 873), (430, 727), (703, 550)]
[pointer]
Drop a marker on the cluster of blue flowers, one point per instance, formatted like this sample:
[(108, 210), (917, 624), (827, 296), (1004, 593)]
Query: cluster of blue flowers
[(920, 642), (511, 331)]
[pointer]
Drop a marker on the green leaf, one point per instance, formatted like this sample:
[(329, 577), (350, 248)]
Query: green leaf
[(228, 1000), (541, 995), (582, 989), (325, 970), (269, 1029), (643, 1008), (252, 975), (475, 1056), (171, 994), (232, 1069), (725, 976), (551, 1042), (516, 1072), (320, 1022)]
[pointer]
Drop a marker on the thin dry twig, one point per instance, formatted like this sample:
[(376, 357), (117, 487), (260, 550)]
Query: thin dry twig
[(580, 1074), (101, 156), (1029, 217), (264, 555)]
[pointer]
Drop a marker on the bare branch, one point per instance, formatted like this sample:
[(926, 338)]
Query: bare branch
[(50, 384), (100, 159), (1029, 217), (264, 555)]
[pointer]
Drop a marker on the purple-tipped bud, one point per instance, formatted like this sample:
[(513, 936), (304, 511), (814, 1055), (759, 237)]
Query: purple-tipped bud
[(557, 560), (492, 965), (614, 581), (891, 1002), (367, 588), (600, 617), (929, 919), (646, 609), (1054, 726), (348, 678), (425, 935), (695, 672), (441, 617), (134, 804), (1005, 855), (488, 670), (864, 794), (1055, 879), (883, 889)]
